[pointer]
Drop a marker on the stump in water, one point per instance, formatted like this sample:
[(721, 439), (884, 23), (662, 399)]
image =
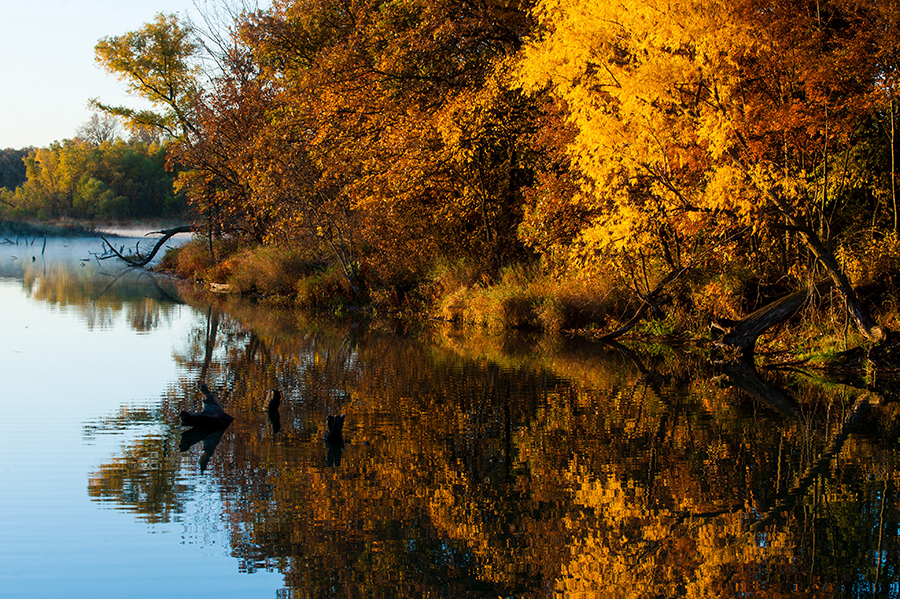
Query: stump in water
[(741, 335), (209, 435), (212, 415), (207, 426)]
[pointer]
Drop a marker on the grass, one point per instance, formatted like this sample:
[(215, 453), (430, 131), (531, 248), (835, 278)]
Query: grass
[(523, 297)]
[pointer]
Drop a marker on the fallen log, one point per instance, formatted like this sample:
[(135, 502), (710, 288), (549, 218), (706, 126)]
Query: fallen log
[(741, 335)]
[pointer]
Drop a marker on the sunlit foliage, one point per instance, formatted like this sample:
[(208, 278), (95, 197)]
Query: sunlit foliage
[(622, 141)]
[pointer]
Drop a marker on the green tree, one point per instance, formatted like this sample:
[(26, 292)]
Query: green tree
[(78, 179), (12, 167)]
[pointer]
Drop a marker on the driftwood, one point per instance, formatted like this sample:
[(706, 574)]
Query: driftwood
[(212, 416), (140, 261), (741, 335)]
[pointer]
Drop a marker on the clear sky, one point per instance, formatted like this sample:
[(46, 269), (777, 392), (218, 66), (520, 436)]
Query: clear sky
[(47, 67)]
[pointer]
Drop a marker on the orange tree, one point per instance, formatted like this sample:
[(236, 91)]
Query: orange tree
[(400, 136), (217, 159)]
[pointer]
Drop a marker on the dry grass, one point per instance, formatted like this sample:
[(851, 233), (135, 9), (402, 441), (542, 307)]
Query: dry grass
[(328, 288), (524, 297), (267, 270)]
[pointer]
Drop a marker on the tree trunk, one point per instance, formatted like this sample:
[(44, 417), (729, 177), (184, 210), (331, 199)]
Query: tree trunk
[(860, 316), (741, 335)]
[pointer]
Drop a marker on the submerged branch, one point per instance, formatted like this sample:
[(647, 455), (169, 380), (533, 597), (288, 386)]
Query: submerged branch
[(141, 261)]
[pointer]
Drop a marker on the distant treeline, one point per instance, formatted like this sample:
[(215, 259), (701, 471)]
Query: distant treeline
[(79, 179), (12, 167)]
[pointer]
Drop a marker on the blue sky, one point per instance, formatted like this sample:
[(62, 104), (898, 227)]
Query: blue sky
[(47, 67)]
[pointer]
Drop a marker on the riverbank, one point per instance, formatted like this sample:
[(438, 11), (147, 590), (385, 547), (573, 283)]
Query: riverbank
[(525, 297)]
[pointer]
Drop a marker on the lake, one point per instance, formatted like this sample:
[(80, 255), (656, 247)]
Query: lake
[(469, 465)]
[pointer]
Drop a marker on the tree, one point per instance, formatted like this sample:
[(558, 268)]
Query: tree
[(78, 179), (693, 119), (156, 63), (401, 115), (12, 167)]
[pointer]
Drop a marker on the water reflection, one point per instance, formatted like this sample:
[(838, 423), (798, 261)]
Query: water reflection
[(273, 402), (210, 435), (568, 472), (66, 272), (334, 439), (488, 467)]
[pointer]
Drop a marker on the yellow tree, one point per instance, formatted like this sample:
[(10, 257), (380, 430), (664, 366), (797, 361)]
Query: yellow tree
[(156, 63), (692, 117)]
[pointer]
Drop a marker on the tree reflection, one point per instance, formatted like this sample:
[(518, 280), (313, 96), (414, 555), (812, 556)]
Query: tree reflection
[(144, 479), (569, 472), (99, 293)]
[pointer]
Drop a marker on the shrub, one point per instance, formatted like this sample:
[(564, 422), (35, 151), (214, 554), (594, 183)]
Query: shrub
[(328, 288), (867, 258), (524, 297), (269, 270), (189, 261)]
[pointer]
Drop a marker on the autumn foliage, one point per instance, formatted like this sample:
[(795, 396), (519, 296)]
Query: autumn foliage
[(615, 140)]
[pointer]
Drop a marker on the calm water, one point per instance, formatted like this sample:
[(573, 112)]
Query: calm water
[(469, 467)]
